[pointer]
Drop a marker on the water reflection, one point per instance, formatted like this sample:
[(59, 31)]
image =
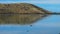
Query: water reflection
[(46, 26)]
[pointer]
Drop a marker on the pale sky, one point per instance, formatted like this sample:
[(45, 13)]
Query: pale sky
[(32, 1)]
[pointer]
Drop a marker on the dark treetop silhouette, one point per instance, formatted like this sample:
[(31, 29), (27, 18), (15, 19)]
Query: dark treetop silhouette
[(21, 13)]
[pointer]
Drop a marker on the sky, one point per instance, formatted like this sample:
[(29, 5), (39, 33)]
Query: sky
[(48, 25), (32, 1)]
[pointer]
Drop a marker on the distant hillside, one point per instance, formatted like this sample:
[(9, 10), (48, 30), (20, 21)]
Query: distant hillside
[(8, 16)]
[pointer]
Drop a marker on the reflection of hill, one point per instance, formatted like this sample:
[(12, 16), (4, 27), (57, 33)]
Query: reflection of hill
[(22, 13)]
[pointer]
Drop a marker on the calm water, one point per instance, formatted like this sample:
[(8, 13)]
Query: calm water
[(48, 25)]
